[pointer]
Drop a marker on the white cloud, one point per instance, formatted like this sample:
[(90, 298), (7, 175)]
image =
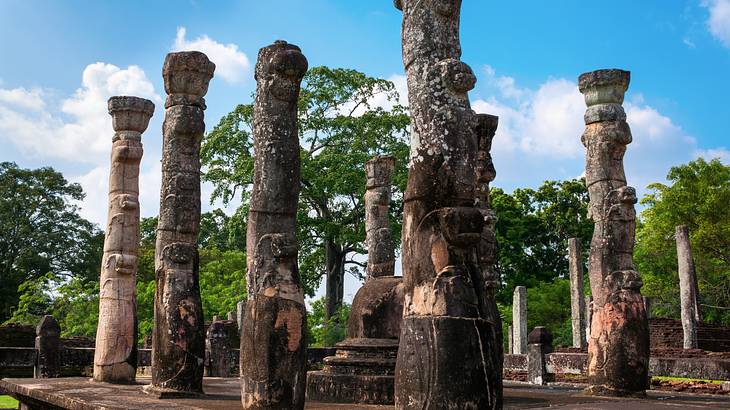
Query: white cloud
[(231, 64), (79, 128), (719, 19), (722, 153), (539, 132)]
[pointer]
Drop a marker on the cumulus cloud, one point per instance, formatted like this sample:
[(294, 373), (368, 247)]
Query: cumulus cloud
[(231, 64), (719, 19), (539, 131), (78, 128), (722, 153)]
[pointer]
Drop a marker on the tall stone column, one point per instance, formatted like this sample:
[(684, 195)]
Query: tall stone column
[(446, 332), (178, 341), (273, 343), (577, 300), (687, 283), (115, 356), (487, 247), (381, 252), (519, 320), (618, 352)]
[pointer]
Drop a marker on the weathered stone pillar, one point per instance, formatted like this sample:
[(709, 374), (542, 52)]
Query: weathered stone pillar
[(381, 252), (577, 300), (178, 341), (687, 281), (618, 353), (510, 341), (273, 343), (231, 316), (589, 318), (240, 312), (519, 320), (48, 348), (487, 247), (221, 339), (647, 306), (445, 314), (115, 355), (540, 343)]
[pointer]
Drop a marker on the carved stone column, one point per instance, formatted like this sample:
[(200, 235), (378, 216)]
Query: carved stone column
[(178, 341), (446, 332), (618, 352), (115, 356), (48, 348), (381, 253), (519, 319), (577, 299), (273, 343)]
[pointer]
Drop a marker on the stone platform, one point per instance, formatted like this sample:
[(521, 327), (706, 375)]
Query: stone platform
[(223, 394)]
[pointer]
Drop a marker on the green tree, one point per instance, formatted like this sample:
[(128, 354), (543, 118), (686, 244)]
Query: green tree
[(340, 129), (698, 195), (533, 229), (41, 232), (323, 331)]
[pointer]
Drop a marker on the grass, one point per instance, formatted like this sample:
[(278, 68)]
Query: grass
[(7, 402), (684, 379)]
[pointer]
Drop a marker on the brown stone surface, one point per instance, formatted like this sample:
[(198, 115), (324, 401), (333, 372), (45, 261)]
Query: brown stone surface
[(223, 394), (618, 350), (115, 359), (178, 341), (273, 339), (446, 343)]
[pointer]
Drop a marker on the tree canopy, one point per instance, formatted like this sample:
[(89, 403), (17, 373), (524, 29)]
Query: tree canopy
[(342, 124)]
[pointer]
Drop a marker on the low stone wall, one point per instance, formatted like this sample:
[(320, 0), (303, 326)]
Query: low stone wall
[(667, 333)]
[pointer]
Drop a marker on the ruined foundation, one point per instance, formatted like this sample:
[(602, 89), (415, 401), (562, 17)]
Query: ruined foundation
[(618, 351), (178, 339), (273, 338), (115, 357), (362, 369)]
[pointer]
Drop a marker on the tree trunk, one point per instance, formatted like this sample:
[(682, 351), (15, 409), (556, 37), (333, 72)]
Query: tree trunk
[(445, 350), (335, 265), (273, 341)]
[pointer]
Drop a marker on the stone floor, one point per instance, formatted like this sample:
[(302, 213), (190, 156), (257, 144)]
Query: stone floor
[(223, 394)]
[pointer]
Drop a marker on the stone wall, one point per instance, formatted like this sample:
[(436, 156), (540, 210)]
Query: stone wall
[(667, 333)]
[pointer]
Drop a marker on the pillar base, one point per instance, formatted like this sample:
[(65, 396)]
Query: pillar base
[(606, 391), (165, 393)]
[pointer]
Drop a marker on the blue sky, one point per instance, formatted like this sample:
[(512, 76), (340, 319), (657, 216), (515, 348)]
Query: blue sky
[(61, 60)]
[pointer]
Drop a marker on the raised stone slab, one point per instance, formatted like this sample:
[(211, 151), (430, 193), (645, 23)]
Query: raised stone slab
[(224, 394)]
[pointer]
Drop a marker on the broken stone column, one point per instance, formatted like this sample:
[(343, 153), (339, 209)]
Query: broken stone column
[(231, 316), (48, 349), (577, 300), (222, 338), (273, 342), (687, 281), (115, 355), (519, 320), (240, 311), (178, 341), (363, 367), (445, 312), (618, 352), (540, 343)]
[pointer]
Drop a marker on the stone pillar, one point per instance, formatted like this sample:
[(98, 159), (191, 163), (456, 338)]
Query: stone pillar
[(221, 340), (510, 342), (577, 300), (115, 355), (381, 251), (48, 349), (589, 318), (647, 306), (540, 343), (240, 311), (231, 316), (618, 353), (687, 281), (178, 341), (445, 313), (273, 342), (519, 320)]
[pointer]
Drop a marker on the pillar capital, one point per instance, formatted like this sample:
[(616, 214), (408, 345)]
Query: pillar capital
[(130, 113), (187, 75), (605, 86)]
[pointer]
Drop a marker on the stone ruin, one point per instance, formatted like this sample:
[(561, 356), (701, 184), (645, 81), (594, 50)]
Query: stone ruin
[(362, 369)]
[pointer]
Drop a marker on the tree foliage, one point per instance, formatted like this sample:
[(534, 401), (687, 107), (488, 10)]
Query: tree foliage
[(698, 195), (340, 128), (41, 233)]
